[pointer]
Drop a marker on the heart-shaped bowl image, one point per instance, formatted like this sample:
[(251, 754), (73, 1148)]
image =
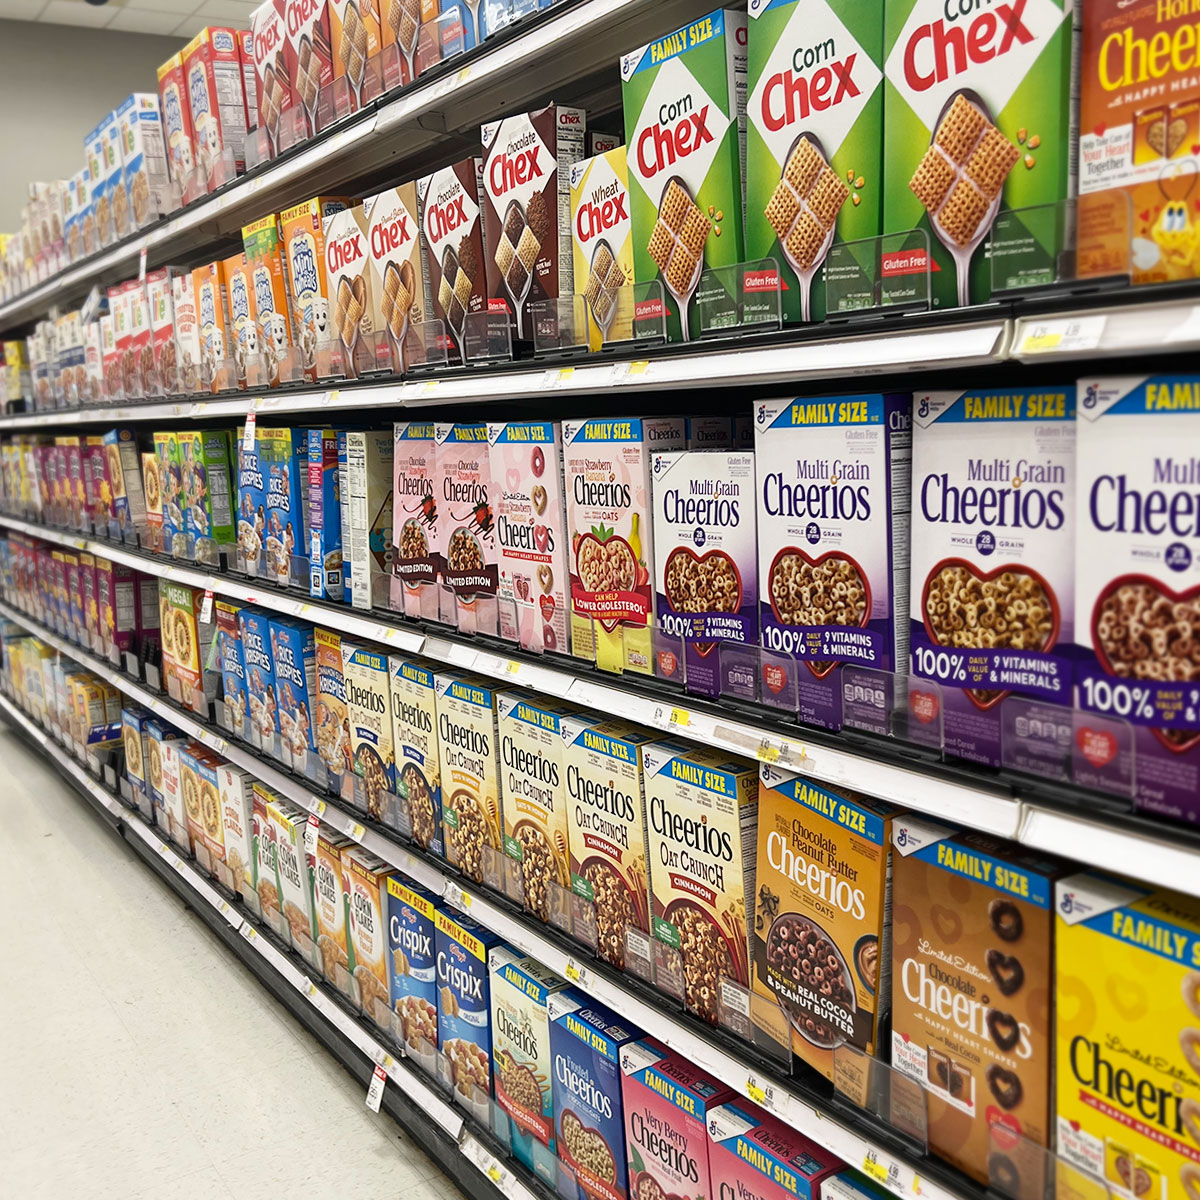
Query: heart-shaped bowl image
[(709, 582), (803, 958), (606, 566)]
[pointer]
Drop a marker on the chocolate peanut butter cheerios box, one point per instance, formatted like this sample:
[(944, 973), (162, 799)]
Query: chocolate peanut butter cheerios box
[(833, 523), (685, 127), (1137, 594), (1128, 1028), (972, 984), (416, 589), (993, 539)]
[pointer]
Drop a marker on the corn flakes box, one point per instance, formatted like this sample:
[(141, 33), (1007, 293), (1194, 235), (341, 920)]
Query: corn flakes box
[(331, 904), (295, 877), (602, 244), (411, 917), (368, 709), (233, 667), (243, 318), (294, 653), (237, 816), (365, 879), (414, 740), (331, 723), (212, 325), (270, 289), (324, 516), (265, 837), (283, 540), (208, 516), (255, 628)]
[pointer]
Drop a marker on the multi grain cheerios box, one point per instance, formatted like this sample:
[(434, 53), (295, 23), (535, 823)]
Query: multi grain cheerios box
[(586, 1040), (531, 533), (368, 709), (824, 879), (606, 467), (255, 627), (705, 568), (1137, 582), (178, 132), (521, 991), (606, 819), (702, 819), (412, 934), (331, 722), (467, 524), (271, 289), (469, 757), (602, 242), (398, 260), (354, 294), (331, 904), (1126, 977), (833, 547), (667, 1101), (981, 124), (415, 739), (972, 939), (814, 173), (415, 588), (993, 542), (685, 128)]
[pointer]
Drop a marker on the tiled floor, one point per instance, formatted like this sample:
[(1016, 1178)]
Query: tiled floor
[(137, 1057)]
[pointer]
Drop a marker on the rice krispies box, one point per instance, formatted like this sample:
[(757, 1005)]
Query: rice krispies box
[(531, 533), (412, 936), (701, 837), (398, 260), (255, 628), (705, 568), (993, 543), (368, 710), (415, 588), (833, 517), (815, 128), (685, 129), (273, 86), (294, 655), (602, 243), (980, 125), (415, 744), (233, 667), (467, 525), (283, 540), (1137, 582)]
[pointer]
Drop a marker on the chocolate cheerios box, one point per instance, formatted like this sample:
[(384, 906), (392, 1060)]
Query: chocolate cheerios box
[(1137, 571), (972, 981), (1126, 961), (993, 542), (415, 589)]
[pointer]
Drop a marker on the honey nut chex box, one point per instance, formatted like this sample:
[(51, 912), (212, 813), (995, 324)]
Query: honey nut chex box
[(980, 125)]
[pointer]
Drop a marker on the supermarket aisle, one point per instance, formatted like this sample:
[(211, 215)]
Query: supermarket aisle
[(137, 1058)]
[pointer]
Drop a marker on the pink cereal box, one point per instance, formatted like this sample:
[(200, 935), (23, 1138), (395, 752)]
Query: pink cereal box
[(467, 524), (416, 587)]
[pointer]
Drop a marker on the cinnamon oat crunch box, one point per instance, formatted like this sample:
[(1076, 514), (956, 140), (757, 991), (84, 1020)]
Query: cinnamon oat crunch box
[(972, 981)]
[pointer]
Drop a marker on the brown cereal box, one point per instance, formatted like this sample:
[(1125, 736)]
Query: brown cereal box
[(309, 57), (365, 879), (414, 738), (394, 240), (702, 817), (466, 524), (354, 296), (354, 33), (273, 83), (331, 724)]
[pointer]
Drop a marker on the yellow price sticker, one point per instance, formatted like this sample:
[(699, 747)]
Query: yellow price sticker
[(320, 809), (357, 831), (513, 668), (681, 716), (333, 395), (1037, 343), (572, 970), (766, 752), (639, 367), (494, 1173), (755, 1091), (874, 1168)]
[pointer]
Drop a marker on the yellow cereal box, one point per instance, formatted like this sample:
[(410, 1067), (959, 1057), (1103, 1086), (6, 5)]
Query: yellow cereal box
[(243, 316), (603, 245), (354, 33), (331, 902), (262, 242)]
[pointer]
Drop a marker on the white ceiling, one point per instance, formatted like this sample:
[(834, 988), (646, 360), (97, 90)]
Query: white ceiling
[(175, 18)]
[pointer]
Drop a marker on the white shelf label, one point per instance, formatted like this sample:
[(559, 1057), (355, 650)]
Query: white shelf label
[(375, 1090), (310, 836), (1064, 335)]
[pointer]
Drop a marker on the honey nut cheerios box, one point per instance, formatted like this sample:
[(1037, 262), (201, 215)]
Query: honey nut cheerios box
[(1127, 963), (833, 527), (814, 172), (368, 710), (992, 597), (412, 937), (981, 124), (702, 814), (684, 97), (331, 904), (415, 740), (1137, 587), (602, 242)]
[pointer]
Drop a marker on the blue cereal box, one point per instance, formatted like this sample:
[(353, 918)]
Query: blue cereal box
[(252, 508), (464, 1008), (233, 667), (585, 1052), (412, 935), (255, 628), (134, 720), (344, 511), (158, 732), (324, 516), (294, 653), (283, 537)]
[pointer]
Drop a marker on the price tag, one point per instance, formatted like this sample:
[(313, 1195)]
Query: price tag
[(1066, 335), (310, 836), (576, 973), (319, 808), (495, 1174), (557, 377), (455, 896), (874, 1168), (766, 752), (142, 265), (331, 397), (248, 931), (375, 1091), (308, 987), (357, 831), (248, 436), (206, 606), (755, 1091)]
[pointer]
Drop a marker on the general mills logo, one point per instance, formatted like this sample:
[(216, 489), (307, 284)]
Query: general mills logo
[(1067, 903), (761, 415), (923, 409), (902, 837), (1091, 396)]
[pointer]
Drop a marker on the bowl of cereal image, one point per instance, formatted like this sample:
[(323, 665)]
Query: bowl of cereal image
[(469, 828), (415, 788), (329, 738), (698, 583), (370, 766), (463, 551), (830, 589), (152, 485), (803, 959), (606, 566), (1008, 608), (542, 863), (413, 542), (173, 513), (583, 1146), (617, 907), (707, 954)]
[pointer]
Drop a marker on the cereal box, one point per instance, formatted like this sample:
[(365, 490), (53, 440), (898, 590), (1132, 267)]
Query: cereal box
[(464, 1007), (273, 86), (354, 32), (685, 126), (398, 263), (602, 244), (462, 25), (187, 332), (586, 1040), (178, 133), (115, 198), (824, 879), (354, 292), (191, 754), (158, 732), (365, 879), (237, 811), (125, 480), (760, 1157), (606, 819), (271, 291), (521, 991), (607, 471), (531, 533), (294, 653), (1125, 959), (331, 903), (971, 961), (309, 57), (152, 482), (814, 174), (468, 750), (368, 488), (172, 788), (324, 517), (466, 524), (295, 877), (1137, 594), (243, 319), (120, 301), (666, 1101), (283, 540), (452, 228), (993, 541), (144, 155), (980, 125), (331, 725), (212, 66), (212, 825), (245, 40), (233, 667), (170, 474), (703, 812), (344, 496), (414, 738), (411, 942), (134, 719), (415, 535), (705, 580), (117, 599), (833, 521), (207, 494), (527, 161), (266, 863), (255, 628), (139, 362), (304, 255), (93, 360), (186, 642), (252, 509), (368, 705), (213, 327), (416, 30), (164, 378)]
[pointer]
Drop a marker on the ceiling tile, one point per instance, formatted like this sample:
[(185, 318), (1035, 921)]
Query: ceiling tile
[(189, 27), (75, 12), (21, 10), (138, 20), (180, 8), (234, 12)]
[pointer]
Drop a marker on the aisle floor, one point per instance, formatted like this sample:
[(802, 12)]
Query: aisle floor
[(138, 1058)]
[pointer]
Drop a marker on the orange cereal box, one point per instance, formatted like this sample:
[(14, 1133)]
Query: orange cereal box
[(270, 292), (212, 322), (243, 317)]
